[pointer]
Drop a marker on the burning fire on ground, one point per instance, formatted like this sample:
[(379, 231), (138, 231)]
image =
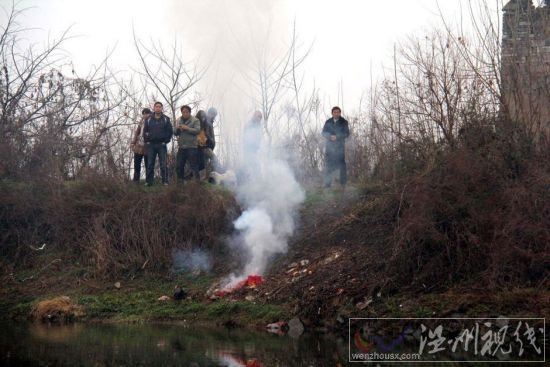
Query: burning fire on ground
[(250, 282)]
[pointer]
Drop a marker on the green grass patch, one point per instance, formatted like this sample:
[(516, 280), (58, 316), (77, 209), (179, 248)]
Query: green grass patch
[(144, 306), (137, 301)]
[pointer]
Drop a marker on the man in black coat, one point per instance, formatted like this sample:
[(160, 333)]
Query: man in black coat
[(157, 132), (335, 131)]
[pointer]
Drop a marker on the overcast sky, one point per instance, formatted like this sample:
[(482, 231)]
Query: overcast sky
[(351, 38)]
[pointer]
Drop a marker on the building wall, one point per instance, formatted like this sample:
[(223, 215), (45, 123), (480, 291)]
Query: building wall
[(526, 65)]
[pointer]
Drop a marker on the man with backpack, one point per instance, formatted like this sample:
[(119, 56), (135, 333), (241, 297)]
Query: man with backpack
[(210, 136), (207, 142), (187, 129), (157, 132)]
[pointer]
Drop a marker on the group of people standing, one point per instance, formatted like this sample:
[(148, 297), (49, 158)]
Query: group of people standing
[(196, 142), (195, 138)]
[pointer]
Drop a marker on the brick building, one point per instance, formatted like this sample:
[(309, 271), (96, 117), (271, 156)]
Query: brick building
[(526, 65)]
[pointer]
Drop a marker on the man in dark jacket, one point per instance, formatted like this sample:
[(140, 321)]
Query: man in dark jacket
[(157, 132), (335, 131)]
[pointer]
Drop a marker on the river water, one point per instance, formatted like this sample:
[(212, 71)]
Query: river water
[(162, 345)]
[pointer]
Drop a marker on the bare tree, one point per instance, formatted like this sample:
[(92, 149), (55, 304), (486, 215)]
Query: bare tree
[(50, 123), (507, 51), (306, 111), (270, 80), (167, 72), (433, 93), (481, 72)]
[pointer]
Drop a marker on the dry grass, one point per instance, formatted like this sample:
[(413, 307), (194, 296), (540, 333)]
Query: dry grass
[(60, 309), (480, 213), (112, 227)]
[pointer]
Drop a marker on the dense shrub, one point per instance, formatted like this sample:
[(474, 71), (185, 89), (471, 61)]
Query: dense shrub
[(480, 212), (112, 226)]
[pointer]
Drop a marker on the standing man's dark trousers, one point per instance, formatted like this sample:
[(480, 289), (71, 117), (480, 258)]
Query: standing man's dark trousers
[(335, 160), (187, 155), (154, 149), (137, 165)]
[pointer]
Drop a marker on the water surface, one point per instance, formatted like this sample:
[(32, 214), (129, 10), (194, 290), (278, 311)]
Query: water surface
[(162, 345)]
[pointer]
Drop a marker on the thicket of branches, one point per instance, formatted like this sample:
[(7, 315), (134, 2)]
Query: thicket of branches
[(458, 133), (455, 131), (463, 149), (109, 227), (57, 124), (53, 122)]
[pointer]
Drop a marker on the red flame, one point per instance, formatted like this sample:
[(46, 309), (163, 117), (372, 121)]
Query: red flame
[(252, 281), (251, 362)]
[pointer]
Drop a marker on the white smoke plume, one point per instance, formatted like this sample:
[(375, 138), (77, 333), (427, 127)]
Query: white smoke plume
[(187, 260), (270, 196)]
